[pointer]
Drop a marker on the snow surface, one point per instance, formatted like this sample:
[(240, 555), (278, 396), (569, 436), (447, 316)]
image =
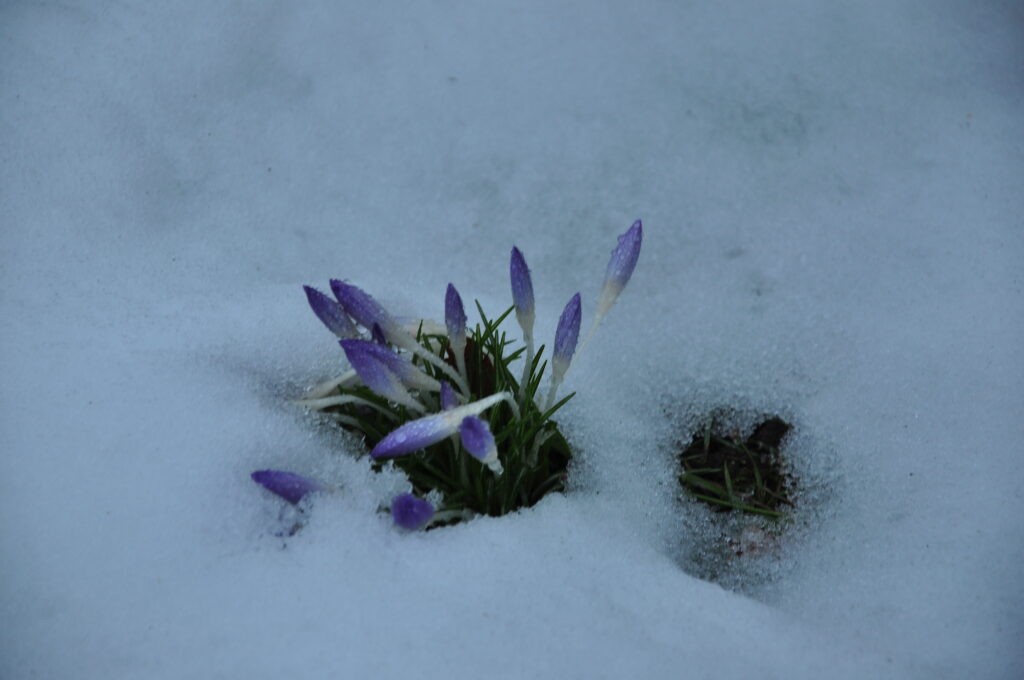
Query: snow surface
[(832, 199)]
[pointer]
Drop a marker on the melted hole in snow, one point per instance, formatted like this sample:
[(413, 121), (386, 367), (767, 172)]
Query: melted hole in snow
[(741, 497)]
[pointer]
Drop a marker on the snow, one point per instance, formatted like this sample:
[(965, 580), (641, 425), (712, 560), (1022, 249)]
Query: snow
[(832, 204)]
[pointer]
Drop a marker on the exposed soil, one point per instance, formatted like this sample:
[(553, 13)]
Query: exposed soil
[(732, 473)]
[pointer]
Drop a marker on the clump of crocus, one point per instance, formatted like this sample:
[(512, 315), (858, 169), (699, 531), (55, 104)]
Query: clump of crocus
[(443, 403)]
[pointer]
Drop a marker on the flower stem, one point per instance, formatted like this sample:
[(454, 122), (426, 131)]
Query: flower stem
[(551, 394), (460, 363), (416, 349), (325, 388), (525, 381), (320, 404)]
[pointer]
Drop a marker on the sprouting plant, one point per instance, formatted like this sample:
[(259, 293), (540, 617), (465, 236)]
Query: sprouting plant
[(444, 403), (731, 472)]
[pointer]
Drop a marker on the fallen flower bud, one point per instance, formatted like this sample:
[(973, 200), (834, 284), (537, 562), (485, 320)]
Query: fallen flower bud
[(288, 485)]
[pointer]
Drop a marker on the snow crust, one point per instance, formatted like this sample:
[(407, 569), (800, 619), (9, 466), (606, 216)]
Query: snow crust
[(832, 204)]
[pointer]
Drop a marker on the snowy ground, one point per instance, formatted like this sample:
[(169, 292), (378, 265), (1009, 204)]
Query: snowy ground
[(832, 198)]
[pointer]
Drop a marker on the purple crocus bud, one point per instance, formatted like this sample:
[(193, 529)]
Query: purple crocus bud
[(522, 291), (625, 255), (455, 319), (361, 306), (403, 369), (376, 374), (423, 432), (620, 268), (330, 313), (414, 435), (288, 485), (378, 335), (448, 398), (566, 336), (478, 440), (410, 512)]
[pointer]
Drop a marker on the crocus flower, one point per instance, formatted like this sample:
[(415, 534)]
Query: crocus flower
[(419, 434), (455, 321), (376, 374), (330, 313), (410, 512), (448, 398), (400, 366), (454, 315), (478, 440), (363, 308), (566, 336), (522, 292), (522, 297), (288, 485), (620, 268)]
